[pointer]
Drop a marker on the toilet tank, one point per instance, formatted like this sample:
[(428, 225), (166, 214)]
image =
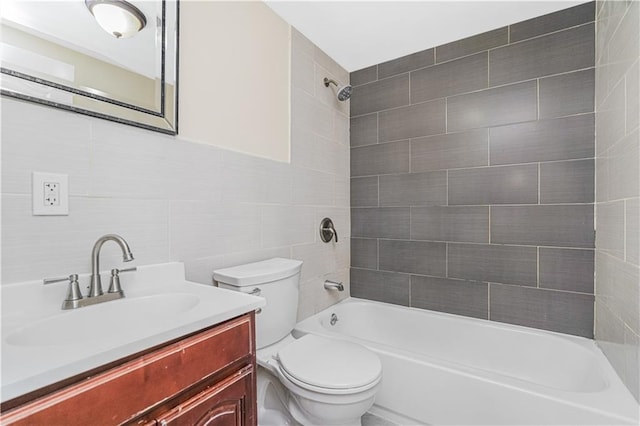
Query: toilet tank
[(277, 281)]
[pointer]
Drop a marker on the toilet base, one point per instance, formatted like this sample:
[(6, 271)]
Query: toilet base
[(272, 401), (278, 406)]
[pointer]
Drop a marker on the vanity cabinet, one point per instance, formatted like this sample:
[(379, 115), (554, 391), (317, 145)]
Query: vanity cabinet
[(205, 378)]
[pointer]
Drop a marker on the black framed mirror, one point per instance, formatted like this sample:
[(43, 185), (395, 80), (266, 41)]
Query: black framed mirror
[(58, 53)]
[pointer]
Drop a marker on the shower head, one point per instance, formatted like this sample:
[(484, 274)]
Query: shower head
[(344, 92)]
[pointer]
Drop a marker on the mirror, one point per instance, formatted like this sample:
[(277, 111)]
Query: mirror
[(55, 53)]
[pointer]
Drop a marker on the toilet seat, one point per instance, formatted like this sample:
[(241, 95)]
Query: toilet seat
[(329, 366)]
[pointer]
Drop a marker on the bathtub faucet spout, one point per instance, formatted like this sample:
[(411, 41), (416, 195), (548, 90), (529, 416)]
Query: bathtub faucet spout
[(332, 285)]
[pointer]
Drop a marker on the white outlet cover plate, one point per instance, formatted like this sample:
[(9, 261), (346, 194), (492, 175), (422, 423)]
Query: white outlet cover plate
[(39, 207)]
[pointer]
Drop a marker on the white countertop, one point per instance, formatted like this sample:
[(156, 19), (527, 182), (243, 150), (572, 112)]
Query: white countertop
[(99, 334)]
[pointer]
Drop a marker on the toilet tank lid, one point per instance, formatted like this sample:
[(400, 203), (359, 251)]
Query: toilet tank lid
[(258, 272)]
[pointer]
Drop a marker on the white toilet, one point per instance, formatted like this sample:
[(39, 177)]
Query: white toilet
[(312, 380)]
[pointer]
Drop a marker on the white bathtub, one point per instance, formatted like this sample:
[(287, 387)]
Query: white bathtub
[(447, 369)]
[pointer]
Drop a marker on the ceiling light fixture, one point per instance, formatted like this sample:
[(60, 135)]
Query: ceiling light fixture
[(117, 17)]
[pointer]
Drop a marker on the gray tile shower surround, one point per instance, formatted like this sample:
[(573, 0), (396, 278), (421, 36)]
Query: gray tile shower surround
[(472, 176)]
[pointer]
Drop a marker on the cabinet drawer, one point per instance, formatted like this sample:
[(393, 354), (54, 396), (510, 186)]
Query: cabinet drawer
[(132, 388)]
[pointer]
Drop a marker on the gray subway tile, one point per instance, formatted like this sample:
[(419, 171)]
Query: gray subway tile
[(624, 167), (416, 257), (617, 287), (567, 50), (632, 362), (380, 159), (459, 224), (364, 191), (559, 311), (450, 78), (567, 94), (493, 263), (406, 63), (566, 269), (364, 130), (494, 185), (610, 228), (450, 151), (545, 140), (388, 287), (364, 253), (414, 189), (468, 298), (493, 107), (567, 182), (473, 44), (379, 95), (412, 121), (555, 21), (610, 120), (632, 230), (633, 96), (364, 75), (383, 222), (550, 225)]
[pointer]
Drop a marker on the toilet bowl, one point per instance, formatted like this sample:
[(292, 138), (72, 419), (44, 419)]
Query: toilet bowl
[(312, 380)]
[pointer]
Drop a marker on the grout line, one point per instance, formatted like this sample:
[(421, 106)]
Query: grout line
[(447, 187), (446, 115), (539, 186), (538, 98), (489, 68), (446, 260), (538, 267), (488, 300), (489, 227), (624, 227)]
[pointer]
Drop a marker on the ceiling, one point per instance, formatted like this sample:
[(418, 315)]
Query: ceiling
[(357, 34)]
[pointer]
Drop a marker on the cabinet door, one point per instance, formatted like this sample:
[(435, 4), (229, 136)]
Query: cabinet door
[(227, 403)]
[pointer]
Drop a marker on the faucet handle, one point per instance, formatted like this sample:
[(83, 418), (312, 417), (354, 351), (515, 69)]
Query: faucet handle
[(114, 286), (73, 292), (70, 278)]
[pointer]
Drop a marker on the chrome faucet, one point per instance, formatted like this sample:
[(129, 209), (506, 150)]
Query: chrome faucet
[(333, 285), (95, 286)]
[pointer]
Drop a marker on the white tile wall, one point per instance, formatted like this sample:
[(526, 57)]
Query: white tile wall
[(174, 199)]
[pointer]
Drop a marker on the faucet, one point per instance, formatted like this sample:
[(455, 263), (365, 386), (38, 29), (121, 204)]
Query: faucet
[(95, 287), (333, 285)]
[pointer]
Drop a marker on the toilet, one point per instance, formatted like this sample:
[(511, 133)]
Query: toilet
[(312, 380)]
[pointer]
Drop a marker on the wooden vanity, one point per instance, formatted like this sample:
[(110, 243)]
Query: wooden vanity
[(207, 377)]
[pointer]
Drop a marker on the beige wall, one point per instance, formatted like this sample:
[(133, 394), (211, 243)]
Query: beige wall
[(234, 84)]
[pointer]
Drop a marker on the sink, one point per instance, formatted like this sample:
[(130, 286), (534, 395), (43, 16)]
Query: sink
[(43, 344), (117, 317)]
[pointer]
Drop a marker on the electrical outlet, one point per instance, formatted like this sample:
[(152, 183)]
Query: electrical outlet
[(50, 194)]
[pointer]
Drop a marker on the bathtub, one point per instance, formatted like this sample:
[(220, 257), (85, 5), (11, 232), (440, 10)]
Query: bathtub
[(446, 369)]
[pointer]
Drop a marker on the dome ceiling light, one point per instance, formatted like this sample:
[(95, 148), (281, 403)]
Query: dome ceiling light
[(117, 17)]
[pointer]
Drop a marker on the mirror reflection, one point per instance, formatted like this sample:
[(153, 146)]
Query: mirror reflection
[(114, 59)]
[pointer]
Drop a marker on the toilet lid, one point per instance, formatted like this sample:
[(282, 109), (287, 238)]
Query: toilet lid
[(329, 363)]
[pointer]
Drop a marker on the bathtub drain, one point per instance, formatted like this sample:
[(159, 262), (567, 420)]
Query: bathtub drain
[(334, 319)]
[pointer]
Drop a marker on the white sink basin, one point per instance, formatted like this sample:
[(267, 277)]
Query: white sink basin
[(42, 344), (79, 327)]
